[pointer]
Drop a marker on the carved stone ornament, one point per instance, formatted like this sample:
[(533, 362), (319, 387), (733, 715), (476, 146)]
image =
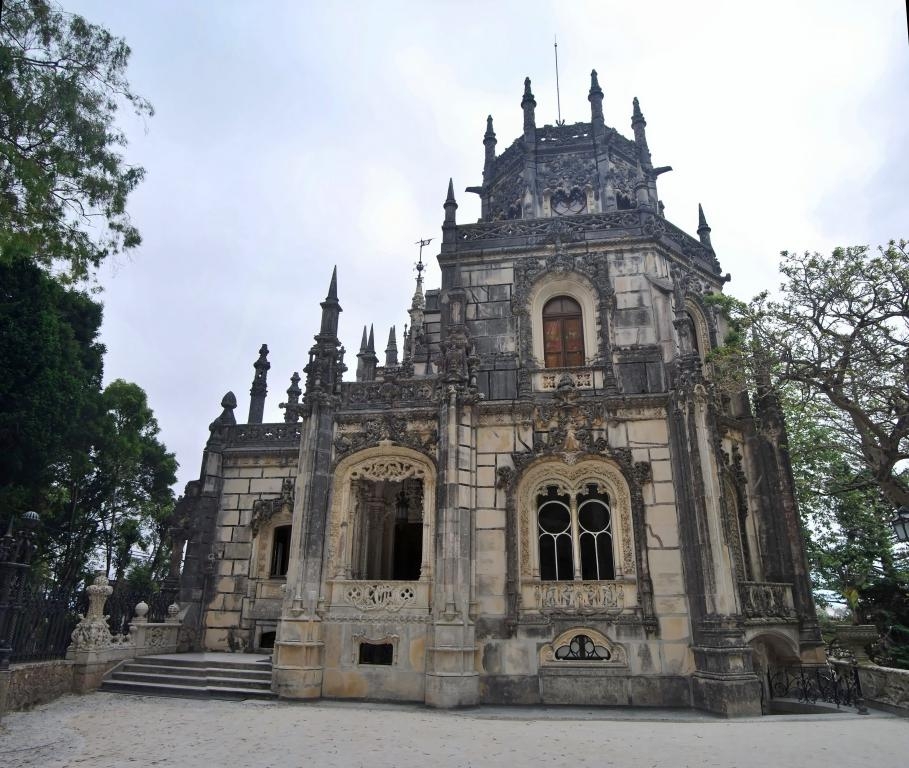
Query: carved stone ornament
[(387, 427), (569, 597), (583, 646), (92, 633), (265, 509), (379, 597)]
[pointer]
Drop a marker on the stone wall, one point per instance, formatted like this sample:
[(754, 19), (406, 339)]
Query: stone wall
[(885, 687), (38, 683), (247, 479)]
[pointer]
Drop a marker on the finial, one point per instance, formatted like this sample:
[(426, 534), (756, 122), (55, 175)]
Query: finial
[(291, 407), (527, 93), (450, 198), (528, 104), (636, 113), (227, 418), (490, 134), (259, 388), (595, 89), (371, 343), (363, 342), (703, 229)]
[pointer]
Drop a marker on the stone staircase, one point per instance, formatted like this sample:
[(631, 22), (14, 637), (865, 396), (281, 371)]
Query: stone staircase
[(194, 675)]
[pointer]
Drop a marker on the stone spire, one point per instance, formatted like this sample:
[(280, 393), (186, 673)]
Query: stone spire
[(259, 387), (292, 406), (370, 361), (595, 97), (703, 229), (391, 351), (528, 104), (331, 308), (638, 124), (361, 355), (417, 307), (489, 144), (449, 224), (326, 356)]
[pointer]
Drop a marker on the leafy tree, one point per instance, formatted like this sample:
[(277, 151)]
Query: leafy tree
[(63, 183), (833, 346), (838, 333), (50, 377)]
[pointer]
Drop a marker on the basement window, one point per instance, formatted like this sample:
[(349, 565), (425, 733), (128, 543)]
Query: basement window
[(380, 654)]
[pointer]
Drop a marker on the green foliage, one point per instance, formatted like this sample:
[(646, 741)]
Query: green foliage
[(50, 374), (63, 183)]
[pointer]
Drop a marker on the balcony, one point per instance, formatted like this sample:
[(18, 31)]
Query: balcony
[(765, 600)]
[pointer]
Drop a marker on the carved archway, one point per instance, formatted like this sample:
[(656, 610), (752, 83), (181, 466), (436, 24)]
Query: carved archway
[(384, 463)]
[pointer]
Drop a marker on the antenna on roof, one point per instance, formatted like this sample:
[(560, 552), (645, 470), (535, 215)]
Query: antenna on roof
[(555, 45)]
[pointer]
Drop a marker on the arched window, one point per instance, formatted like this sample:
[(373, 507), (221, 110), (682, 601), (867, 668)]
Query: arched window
[(280, 551), (563, 333), (575, 536), (693, 335)]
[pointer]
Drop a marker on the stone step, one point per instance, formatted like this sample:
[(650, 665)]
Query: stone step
[(263, 673), (193, 681), (202, 678), (170, 661), (184, 691)]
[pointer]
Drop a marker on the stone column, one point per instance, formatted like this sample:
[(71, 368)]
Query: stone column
[(451, 676)]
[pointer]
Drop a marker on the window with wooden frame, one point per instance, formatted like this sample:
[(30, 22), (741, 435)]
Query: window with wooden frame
[(563, 333)]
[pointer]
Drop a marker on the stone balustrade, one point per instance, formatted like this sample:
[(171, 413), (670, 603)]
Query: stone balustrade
[(380, 596), (94, 650), (578, 597), (763, 600)]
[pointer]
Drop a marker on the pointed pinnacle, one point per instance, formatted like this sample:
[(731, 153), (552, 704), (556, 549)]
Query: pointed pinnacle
[(371, 344), (451, 197), (636, 112), (527, 87), (363, 342), (392, 342), (333, 286), (595, 84), (702, 220), (490, 134)]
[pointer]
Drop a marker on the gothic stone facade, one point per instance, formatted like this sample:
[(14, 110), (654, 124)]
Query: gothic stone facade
[(544, 500)]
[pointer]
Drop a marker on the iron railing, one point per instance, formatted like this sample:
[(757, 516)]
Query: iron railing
[(834, 683), (42, 628)]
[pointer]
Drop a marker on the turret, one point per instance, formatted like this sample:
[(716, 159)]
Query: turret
[(391, 351), (489, 144), (528, 104), (361, 356), (326, 356), (330, 308), (703, 229), (259, 387), (638, 124), (595, 97), (370, 361), (449, 224)]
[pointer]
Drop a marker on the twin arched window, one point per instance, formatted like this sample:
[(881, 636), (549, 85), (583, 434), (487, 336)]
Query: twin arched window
[(575, 535), (563, 333)]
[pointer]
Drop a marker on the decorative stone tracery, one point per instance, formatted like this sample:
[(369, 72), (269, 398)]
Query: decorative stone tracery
[(583, 646)]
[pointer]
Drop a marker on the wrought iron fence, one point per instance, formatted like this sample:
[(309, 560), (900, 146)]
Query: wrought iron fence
[(831, 683), (121, 607), (42, 628)]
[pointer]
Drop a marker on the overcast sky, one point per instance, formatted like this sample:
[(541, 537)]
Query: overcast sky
[(293, 136)]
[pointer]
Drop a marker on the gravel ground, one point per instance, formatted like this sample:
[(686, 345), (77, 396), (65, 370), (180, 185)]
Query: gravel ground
[(105, 729)]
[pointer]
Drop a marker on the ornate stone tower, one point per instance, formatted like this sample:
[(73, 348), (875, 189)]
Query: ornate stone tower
[(540, 497)]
